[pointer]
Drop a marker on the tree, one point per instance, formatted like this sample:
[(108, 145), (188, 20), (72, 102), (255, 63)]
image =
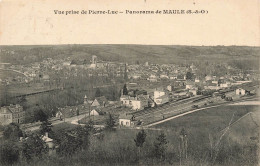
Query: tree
[(69, 143), (9, 153), (46, 127), (98, 93), (12, 132), (39, 115), (125, 91), (110, 123), (160, 146), (140, 139), (188, 75), (82, 134), (125, 74), (183, 145), (33, 147)]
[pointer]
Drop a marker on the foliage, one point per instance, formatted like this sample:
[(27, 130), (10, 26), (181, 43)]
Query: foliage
[(125, 92), (46, 127), (160, 146), (33, 147), (39, 115), (12, 132), (188, 75), (98, 93), (9, 153), (110, 122), (72, 141), (68, 144), (140, 138)]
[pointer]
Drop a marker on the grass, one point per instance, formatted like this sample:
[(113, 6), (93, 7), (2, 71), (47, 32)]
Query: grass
[(118, 147), (213, 119), (63, 126)]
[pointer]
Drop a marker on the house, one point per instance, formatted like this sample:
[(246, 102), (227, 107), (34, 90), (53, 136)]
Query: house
[(69, 111), (193, 91), (96, 112), (152, 78), (197, 80), (136, 103), (164, 76), (240, 91), (127, 120), (244, 91), (211, 86), (160, 97), (225, 85), (125, 100), (99, 102), (190, 85), (170, 88), (59, 115), (208, 78), (12, 114), (173, 76)]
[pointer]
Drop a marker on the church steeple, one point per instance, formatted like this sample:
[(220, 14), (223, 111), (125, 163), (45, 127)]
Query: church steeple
[(85, 100)]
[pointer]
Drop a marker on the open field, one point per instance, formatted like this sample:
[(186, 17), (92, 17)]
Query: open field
[(202, 125), (212, 119)]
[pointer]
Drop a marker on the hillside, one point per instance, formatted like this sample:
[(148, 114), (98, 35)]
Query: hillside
[(130, 53)]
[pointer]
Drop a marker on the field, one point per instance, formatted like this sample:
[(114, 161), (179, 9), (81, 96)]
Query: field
[(206, 127), (214, 119)]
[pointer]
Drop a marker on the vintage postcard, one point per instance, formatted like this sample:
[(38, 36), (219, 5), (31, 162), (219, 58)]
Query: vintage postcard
[(129, 82)]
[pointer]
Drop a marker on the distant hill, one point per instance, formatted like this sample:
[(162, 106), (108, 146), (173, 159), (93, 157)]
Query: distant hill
[(130, 53)]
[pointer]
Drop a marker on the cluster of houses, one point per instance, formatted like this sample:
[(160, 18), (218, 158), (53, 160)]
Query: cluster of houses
[(42, 71)]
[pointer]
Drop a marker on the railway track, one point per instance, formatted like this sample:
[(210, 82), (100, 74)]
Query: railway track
[(168, 105)]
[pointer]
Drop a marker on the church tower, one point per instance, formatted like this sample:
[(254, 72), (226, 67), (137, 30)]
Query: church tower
[(85, 99)]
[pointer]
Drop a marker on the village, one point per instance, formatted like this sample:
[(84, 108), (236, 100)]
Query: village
[(148, 86), (114, 96)]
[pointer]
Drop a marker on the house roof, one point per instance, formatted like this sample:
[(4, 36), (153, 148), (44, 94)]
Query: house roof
[(101, 99), (46, 139), (125, 116), (5, 110), (162, 97), (97, 109)]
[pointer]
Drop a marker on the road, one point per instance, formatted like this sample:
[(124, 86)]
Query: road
[(72, 120)]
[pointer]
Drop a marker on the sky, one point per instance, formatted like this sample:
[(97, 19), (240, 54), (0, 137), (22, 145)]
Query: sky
[(33, 22)]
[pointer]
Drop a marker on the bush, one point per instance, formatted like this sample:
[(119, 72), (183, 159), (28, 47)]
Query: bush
[(9, 153)]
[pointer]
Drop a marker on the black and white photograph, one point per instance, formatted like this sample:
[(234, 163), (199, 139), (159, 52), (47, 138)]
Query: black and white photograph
[(123, 89)]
